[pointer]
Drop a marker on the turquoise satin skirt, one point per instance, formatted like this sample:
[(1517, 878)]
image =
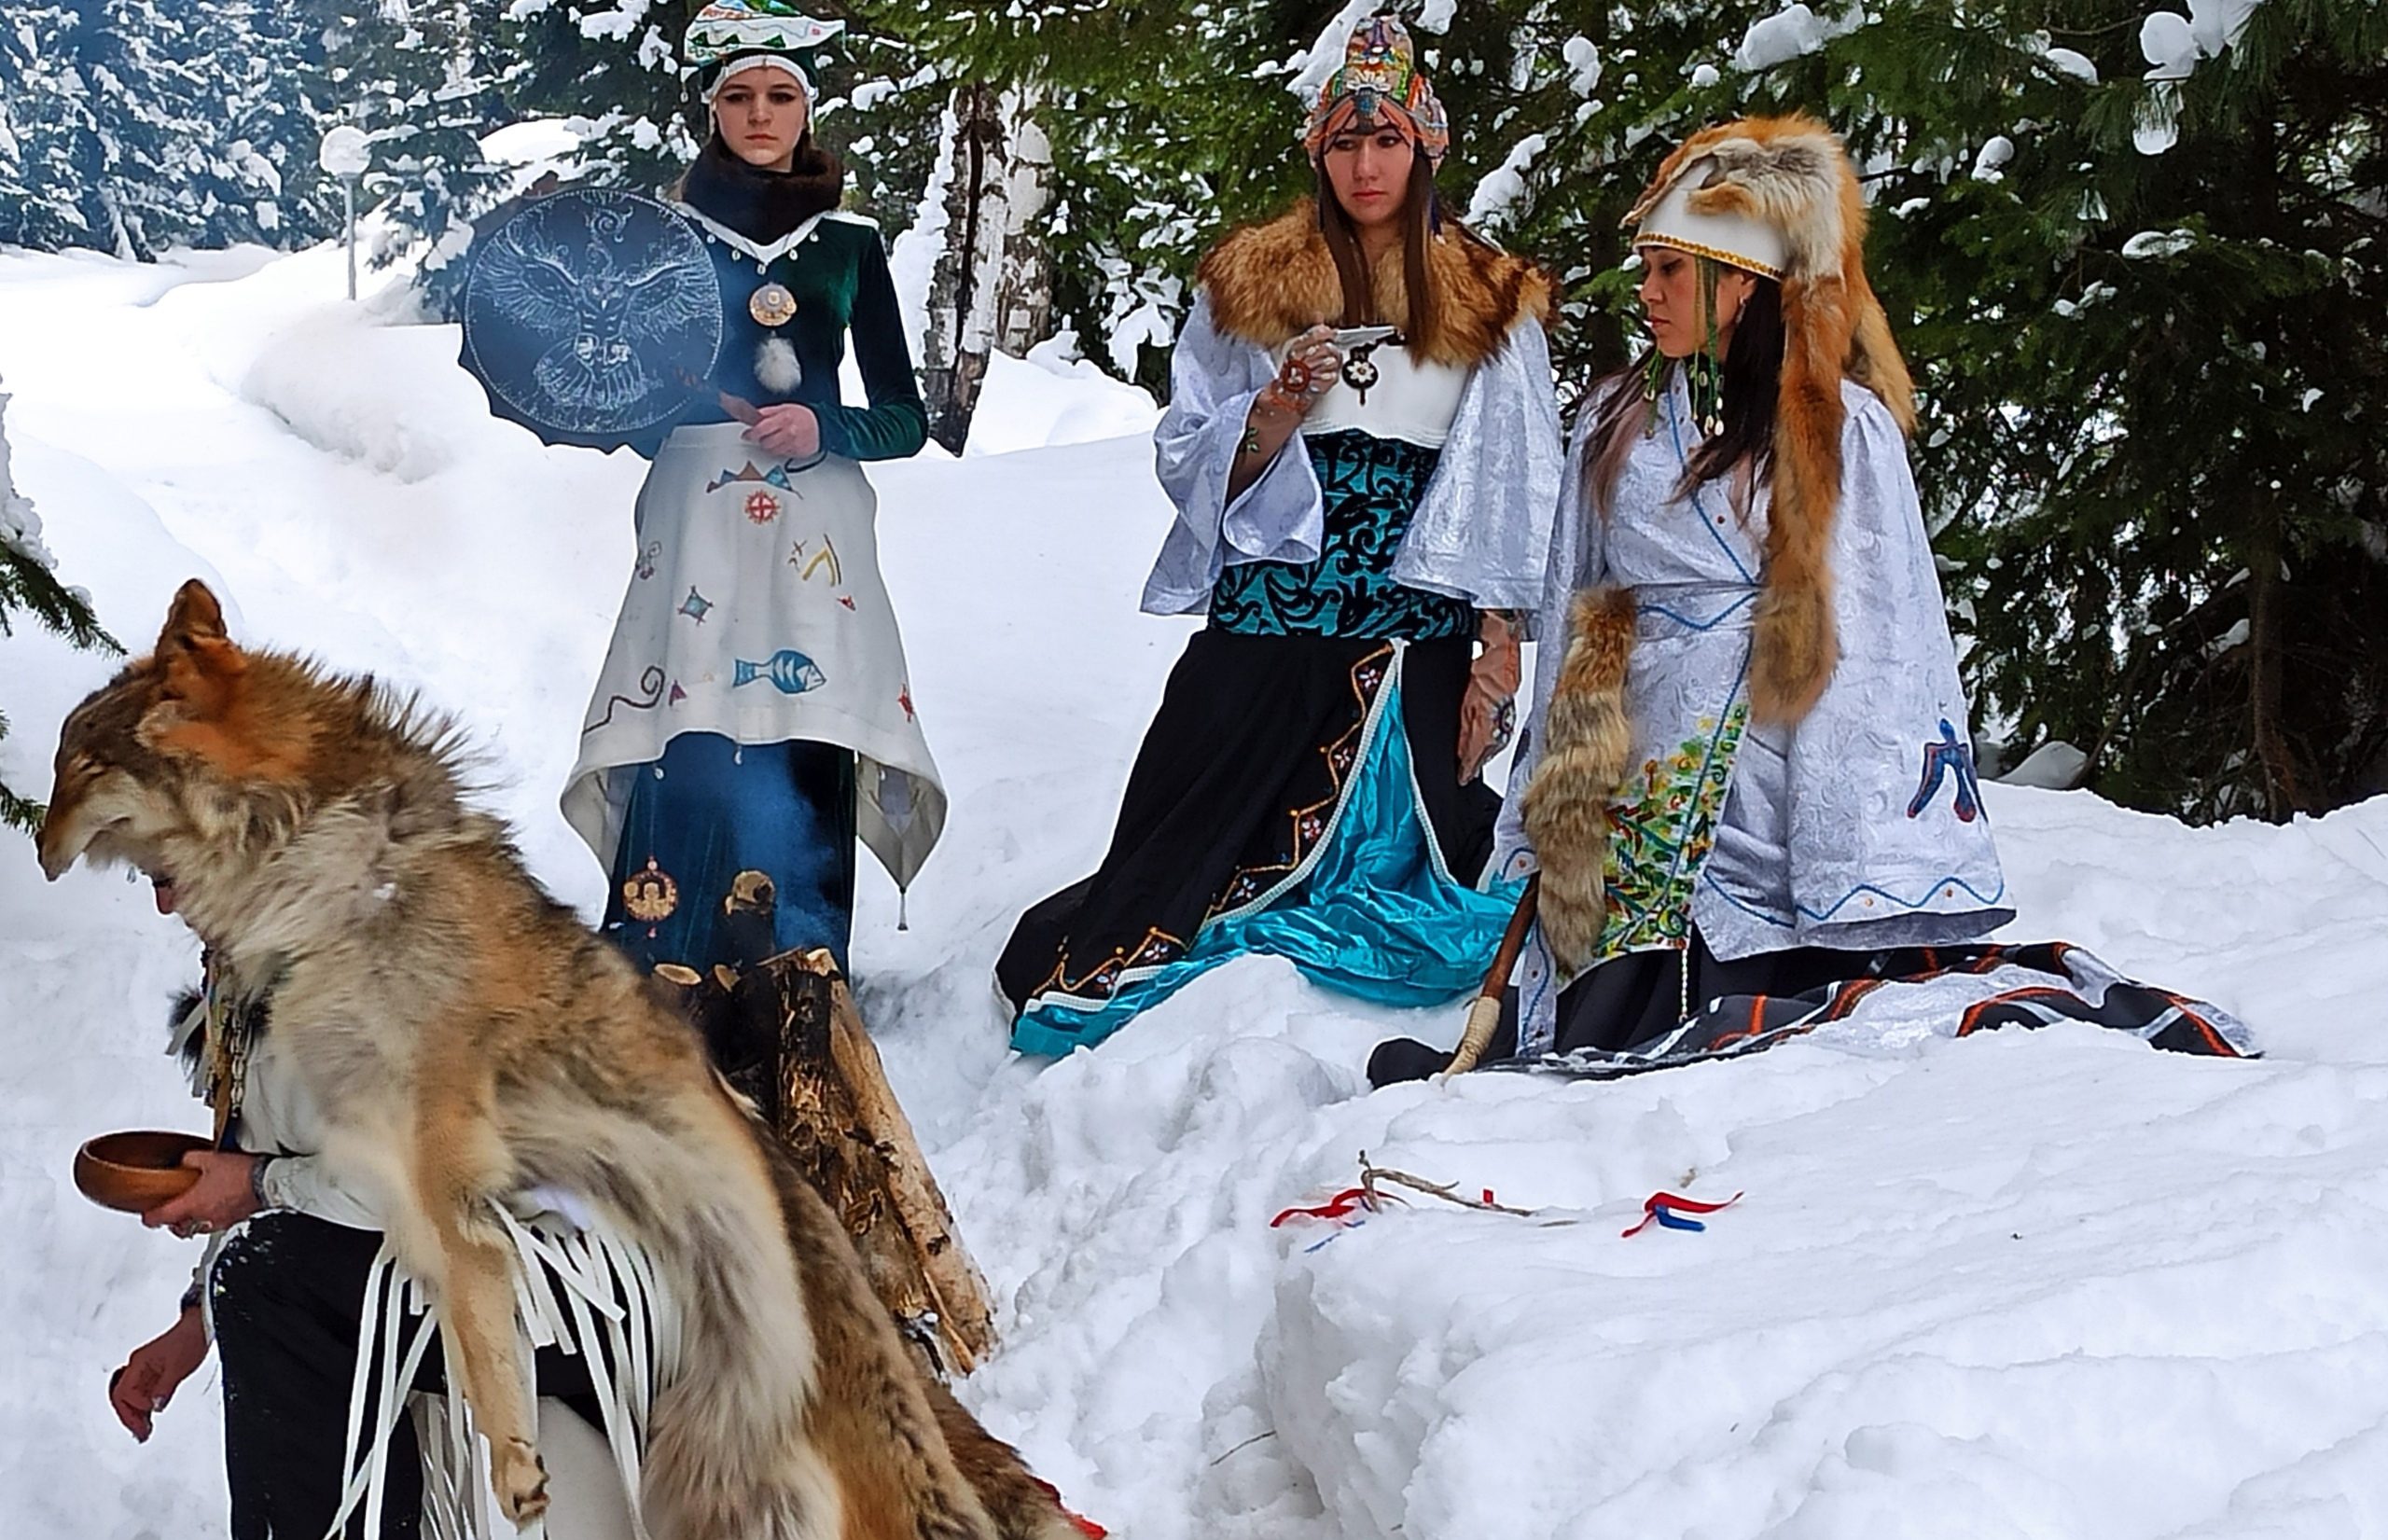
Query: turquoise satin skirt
[(1374, 913)]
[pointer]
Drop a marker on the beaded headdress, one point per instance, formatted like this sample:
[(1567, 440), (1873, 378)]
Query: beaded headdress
[(1379, 83)]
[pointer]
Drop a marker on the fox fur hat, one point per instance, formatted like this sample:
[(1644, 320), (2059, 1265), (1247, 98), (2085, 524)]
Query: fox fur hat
[(1778, 197)]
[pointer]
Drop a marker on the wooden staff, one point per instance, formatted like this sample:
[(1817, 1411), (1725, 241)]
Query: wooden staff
[(1484, 1016)]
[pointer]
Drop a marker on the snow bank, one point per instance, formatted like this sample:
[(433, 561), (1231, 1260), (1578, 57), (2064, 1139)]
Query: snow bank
[(2052, 1284), (1046, 400)]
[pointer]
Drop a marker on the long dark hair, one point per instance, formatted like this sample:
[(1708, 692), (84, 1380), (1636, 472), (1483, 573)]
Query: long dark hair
[(1422, 218), (1753, 376)]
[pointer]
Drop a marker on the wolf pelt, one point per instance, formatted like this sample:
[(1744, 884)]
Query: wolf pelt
[(469, 1039)]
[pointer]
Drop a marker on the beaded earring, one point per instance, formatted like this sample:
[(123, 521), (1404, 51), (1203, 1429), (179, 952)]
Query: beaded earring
[(1704, 370), (1704, 373)]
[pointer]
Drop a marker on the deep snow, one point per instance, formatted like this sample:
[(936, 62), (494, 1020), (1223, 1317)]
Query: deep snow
[(2046, 1284)]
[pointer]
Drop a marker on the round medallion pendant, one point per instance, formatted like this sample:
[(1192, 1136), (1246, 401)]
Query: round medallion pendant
[(1359, 372), (650, 895), (771, 305)]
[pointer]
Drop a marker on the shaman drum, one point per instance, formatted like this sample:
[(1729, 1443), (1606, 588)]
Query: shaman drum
[(590, 316)]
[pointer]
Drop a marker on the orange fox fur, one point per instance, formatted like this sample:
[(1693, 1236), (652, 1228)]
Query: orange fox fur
[(1793, 174), (1270, 282), (1587, 740), (467, 1039)]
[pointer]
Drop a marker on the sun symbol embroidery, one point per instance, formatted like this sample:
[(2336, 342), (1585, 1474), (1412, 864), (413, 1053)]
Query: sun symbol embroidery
[(695, 605), (903, 699), (761, 507)]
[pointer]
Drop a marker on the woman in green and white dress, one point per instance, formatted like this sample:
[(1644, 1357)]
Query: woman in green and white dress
[(754, 714)]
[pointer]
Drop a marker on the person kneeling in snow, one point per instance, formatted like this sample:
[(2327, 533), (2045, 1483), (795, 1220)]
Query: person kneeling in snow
[(1363, 446), (1748, 776)]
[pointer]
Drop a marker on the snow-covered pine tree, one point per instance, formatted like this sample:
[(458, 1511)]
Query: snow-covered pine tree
[(275, 77), (53, 161), (613, 68), (29, 585), (426, 79), (134, 125)]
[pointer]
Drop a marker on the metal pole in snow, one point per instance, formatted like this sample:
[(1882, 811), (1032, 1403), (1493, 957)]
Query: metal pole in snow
[(346, 151)]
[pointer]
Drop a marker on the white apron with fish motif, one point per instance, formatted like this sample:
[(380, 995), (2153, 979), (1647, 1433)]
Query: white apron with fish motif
[(756, 611)]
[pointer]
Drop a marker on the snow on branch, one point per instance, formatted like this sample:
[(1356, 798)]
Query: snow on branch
[(20, 525), (1791, 32), (1504, 186), (1313, 64)]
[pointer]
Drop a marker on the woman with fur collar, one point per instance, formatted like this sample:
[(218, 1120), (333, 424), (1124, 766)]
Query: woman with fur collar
[(1720, 785), (754, 715), (1355, 508)]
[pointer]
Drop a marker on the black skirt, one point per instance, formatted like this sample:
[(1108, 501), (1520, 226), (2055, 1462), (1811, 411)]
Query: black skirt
[(1238, 779)]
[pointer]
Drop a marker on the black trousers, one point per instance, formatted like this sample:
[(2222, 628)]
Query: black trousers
[(288, 1293)]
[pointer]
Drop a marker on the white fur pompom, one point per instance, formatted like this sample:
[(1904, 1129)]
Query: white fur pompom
[(776, 366)]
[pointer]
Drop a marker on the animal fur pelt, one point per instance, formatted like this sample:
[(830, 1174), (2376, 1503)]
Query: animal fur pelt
[(1270, 282), (1793, 174), (1587, 740), (467, 1039)]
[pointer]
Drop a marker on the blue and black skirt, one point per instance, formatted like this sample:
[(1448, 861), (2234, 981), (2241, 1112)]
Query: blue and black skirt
[(1297, 794)]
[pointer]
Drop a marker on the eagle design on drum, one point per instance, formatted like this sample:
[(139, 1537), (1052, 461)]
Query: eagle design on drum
[(598, 300)]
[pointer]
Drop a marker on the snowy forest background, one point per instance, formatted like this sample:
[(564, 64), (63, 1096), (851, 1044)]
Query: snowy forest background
[(2136, 258)]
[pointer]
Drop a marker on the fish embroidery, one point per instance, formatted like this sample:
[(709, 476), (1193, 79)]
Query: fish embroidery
[(787, 671)]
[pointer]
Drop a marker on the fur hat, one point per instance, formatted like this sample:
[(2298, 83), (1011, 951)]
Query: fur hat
[(1379, 81), (1781, 191)]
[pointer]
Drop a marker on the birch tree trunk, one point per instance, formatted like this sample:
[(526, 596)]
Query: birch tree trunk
[(975, 164), (1025, 300), (991, 286)]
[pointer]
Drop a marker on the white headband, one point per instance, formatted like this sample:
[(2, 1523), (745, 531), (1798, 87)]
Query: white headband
[(762, 60), (1734, 239)]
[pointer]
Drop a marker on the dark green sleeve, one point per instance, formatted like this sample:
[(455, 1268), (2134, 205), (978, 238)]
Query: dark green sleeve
[(895, 425)]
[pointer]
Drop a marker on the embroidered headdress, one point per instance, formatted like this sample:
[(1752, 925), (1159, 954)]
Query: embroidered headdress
[(1380, 82), (728, 37)]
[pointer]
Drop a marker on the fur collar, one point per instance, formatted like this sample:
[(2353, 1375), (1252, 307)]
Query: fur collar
[(762, 206), (1267, 283)]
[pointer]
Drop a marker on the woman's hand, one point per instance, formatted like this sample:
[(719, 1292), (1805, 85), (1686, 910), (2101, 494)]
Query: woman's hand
[(1486, 712), (140, 1390), (1312, 361), (221, 1198), (789, 430)]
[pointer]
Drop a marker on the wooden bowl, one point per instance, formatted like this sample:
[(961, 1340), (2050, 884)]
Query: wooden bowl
[(136, 1172)]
